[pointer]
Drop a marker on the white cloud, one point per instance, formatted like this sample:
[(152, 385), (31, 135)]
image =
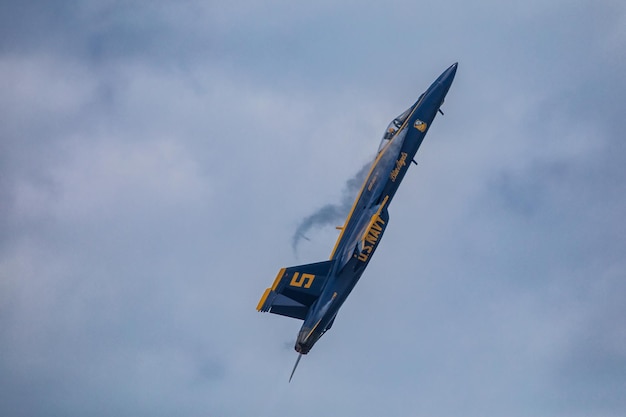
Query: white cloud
[(105, 178)]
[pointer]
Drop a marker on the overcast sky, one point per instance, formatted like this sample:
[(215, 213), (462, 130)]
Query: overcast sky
[(157, 157)]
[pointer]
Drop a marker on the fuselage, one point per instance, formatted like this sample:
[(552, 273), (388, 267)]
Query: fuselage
[(366, 223)]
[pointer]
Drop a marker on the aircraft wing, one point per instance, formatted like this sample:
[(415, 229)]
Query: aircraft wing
[(295, 289)]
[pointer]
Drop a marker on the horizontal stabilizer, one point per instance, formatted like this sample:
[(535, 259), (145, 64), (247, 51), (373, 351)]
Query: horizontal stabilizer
[(295, 289)]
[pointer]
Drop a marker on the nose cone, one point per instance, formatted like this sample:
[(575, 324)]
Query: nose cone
[(446, 78), (452, 69), (436, 93)]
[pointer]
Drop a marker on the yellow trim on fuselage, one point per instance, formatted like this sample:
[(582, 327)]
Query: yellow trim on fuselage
[(380, 154), (318, 322), (377, 214), (312, 330), (343, 228)]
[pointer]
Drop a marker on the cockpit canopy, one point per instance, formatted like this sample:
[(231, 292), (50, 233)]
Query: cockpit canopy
[(394, 127)]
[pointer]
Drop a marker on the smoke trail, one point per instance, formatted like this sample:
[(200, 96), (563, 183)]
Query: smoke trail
[(331, 214)]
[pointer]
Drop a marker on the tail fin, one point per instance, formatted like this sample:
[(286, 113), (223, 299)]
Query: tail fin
[(295, 289)]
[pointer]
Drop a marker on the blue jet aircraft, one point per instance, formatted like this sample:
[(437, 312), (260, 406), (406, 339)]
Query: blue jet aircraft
[(315, 292)]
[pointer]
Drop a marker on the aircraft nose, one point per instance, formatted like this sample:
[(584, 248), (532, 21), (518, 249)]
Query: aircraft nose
[(447, 76), (438, 90)]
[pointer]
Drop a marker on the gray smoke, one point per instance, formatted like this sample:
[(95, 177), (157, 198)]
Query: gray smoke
[(331, 214)]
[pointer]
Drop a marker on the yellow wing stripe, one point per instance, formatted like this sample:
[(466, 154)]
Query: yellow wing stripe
[(345, 224), (380, 154), (376, 216)]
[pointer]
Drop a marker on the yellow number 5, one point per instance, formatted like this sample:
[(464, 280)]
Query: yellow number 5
[(305, 280)]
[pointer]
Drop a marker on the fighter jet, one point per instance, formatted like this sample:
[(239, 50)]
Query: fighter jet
[(315, 292)]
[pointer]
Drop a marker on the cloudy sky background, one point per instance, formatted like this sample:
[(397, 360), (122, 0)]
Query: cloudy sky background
[(156, 159)]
